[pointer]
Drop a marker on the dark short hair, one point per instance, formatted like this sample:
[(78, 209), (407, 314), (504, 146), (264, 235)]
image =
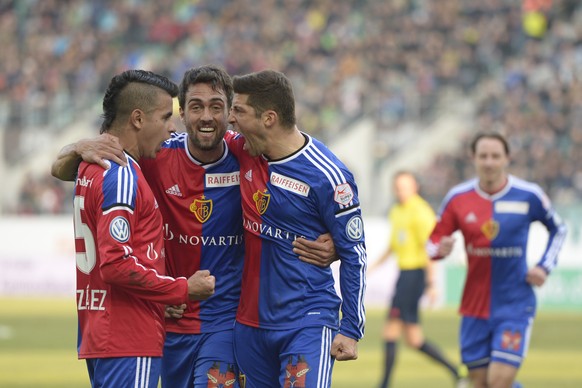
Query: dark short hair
[(217, 77), (489, 135), (130, 90), (268, 90)]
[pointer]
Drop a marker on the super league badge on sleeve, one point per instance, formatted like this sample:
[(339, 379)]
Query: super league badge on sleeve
[(119, 229)]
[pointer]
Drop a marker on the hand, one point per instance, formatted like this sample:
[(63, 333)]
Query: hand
[(175, 311), (344, 348), (446, 246), (98, 149), (536, 276), (201, 285), (431, 293), (320, 252)]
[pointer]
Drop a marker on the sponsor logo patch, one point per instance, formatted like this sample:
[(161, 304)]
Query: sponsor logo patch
[(514, 207), (119, 229), (223, 180), (290, 184), (343, 194), (355, 228)]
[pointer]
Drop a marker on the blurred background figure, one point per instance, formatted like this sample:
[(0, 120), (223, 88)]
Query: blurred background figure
[(411, 220)]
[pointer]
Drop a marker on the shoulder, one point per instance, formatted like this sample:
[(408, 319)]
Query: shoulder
[(533, 189), (460, 189)]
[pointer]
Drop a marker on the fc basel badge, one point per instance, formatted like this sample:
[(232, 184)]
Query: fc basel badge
[(202, 209), (261, 201), (490, 229)]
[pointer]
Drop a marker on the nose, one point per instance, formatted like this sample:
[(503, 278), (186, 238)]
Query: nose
[(230, 117), (206, 115), (171, 127)]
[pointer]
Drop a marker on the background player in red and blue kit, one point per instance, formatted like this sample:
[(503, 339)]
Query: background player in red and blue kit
[(196, 181), (121, 282), (292, 185), (494, 213)]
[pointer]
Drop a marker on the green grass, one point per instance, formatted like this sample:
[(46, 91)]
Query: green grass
[(38, 349)]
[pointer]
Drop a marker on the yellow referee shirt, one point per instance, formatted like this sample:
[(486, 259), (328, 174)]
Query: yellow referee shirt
[(412, 223)]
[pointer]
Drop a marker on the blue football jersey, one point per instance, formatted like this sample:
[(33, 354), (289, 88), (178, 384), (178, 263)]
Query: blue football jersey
[(306, 194)]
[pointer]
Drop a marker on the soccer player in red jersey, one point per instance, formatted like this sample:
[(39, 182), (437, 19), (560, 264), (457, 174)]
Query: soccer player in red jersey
[(121, 282), (494, 212), (196, 181)]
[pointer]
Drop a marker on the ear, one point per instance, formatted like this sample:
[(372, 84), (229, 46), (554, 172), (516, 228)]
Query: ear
[(181, 111), (136, 118), (269, 118)]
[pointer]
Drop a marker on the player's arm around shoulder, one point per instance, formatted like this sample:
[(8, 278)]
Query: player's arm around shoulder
[(97, 150)]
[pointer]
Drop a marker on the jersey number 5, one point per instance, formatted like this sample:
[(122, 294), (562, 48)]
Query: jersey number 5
[(85, 256)]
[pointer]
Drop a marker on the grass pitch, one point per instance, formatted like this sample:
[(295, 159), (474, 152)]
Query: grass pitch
[(38, 349)]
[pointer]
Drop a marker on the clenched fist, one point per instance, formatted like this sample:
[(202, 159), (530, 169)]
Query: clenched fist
[(201, 285)]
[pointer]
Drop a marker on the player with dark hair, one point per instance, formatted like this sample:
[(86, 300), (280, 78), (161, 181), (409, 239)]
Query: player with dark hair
[(196, 182), (494, 212), (288, 330), (411, 222), (121, 282)]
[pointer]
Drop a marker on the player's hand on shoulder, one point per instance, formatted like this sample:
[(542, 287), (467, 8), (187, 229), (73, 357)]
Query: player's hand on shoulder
[(536, 276), (320, 252), (201, 285), (175, 311), (344, 348), (446, 245), (100, 149)]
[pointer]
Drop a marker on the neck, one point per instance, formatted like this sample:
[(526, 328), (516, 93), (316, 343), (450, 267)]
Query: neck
[(206, 156), (492, 187), (128, 142), (284, 143)]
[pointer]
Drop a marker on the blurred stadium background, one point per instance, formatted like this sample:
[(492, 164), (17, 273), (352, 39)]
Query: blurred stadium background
[(386, 84)]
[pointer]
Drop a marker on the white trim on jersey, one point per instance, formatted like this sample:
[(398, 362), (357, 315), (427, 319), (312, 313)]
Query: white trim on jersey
[(362, 258), (124, 208), (125, 189), (333, 173), (458, 189), (550, 260), (324, 370), (350, 211), (149, 269)]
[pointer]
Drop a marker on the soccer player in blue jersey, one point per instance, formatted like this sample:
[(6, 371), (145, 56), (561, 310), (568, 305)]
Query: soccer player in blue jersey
[(196, 182), (288, 331), (494, 213)]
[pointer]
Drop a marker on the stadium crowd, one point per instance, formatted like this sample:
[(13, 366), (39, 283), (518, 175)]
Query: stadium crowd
[(389, 61)]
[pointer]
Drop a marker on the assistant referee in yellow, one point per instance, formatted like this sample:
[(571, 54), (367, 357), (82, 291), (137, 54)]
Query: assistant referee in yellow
[(412, 220)]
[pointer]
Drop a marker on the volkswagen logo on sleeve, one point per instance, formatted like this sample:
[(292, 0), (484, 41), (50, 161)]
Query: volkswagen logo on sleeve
[(355, 228), (119, 229)]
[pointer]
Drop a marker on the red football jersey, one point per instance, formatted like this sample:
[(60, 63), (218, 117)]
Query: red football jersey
[(121, 287)]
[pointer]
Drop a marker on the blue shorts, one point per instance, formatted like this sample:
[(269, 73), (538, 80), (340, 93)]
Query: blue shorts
[(124, 372), (199, 360), (284, 358), (484, 341), (409, 289)]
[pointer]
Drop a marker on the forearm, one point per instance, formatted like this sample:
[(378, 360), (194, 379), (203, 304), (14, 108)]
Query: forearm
[(66, 164)]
